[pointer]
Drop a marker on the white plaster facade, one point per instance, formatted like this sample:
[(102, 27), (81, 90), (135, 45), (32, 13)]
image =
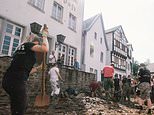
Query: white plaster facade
[(94, 46), (23, 12), (129, 60)]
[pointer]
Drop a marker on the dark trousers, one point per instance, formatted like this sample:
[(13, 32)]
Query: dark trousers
[(17, 93)]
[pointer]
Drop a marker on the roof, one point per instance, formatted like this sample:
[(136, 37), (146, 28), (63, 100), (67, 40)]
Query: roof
[(115, 29), (112, 29), (150, 66), (87, 24)]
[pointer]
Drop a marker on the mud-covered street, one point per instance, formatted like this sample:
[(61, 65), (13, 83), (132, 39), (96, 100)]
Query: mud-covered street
[(76, 105)]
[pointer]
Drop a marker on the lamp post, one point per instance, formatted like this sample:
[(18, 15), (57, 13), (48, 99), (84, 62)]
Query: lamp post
[(60, 39), (35, 28)]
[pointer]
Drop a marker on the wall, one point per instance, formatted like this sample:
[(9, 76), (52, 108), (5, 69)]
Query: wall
[(73, 78), (94, 61), (14, 10)]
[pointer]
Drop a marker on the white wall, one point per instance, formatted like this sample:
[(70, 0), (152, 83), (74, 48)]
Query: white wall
[(109, 42), (128, 70), (94, 62), (21, 12)]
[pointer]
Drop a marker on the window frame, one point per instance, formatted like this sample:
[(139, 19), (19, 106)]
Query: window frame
[(91, 50), (12, 43), (35, 4), (72, 22), (57, 14), (69, 54)]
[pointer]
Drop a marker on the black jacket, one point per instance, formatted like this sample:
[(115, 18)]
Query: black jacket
[(144, 74)]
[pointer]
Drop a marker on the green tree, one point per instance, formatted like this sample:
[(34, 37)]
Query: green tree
[(135, 68)]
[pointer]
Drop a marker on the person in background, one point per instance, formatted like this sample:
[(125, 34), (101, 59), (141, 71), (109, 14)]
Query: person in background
[(95, 87), (102, 79), (52, 58), (116, 83), (14, 81), (108, 72), (126, 89), (54, 80), (76, 64), (144, 88), (152, 91), (59, 62), (117, 91)]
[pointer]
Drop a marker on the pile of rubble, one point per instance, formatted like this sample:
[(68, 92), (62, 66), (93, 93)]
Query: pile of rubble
[(76, 105)]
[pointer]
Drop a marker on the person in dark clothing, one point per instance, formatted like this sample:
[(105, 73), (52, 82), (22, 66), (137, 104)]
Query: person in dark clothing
[(116, 83), (15, 78), (126, 88), (129, 80), (117, 92), (144, 87), (152, 90)]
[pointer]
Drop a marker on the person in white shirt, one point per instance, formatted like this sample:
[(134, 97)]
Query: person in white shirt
[(54, 79), (52, 58)]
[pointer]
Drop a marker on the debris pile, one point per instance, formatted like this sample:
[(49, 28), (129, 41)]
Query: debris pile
[(76, 105)]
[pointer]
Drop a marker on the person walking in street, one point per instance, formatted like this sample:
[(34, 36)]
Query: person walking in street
[(54, 79), (144, 88), (15, 78), (108, 72)]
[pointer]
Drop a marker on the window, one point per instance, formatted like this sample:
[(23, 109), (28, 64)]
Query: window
[(117, 43), (122, 64), (68, 54), (17, 31), (101, 40), (9, 28), (15, 44), (91, 70), (62, 52), (38, 3), (64, 1), (72, 22), (6, 45), (71, 56), (116, 61), (57, 12), (12, 38), (91, 50), (123, 47), (96, 72), (95, 35), (101, 57)]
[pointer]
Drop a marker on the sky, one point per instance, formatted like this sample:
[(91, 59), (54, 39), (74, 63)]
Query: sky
[(136, 18)]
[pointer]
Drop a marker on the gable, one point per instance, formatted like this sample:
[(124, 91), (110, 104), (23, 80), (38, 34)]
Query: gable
[(119, 31), (89, 23), (151, 67)]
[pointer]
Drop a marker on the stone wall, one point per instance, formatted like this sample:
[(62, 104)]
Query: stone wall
[(73, 78)]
